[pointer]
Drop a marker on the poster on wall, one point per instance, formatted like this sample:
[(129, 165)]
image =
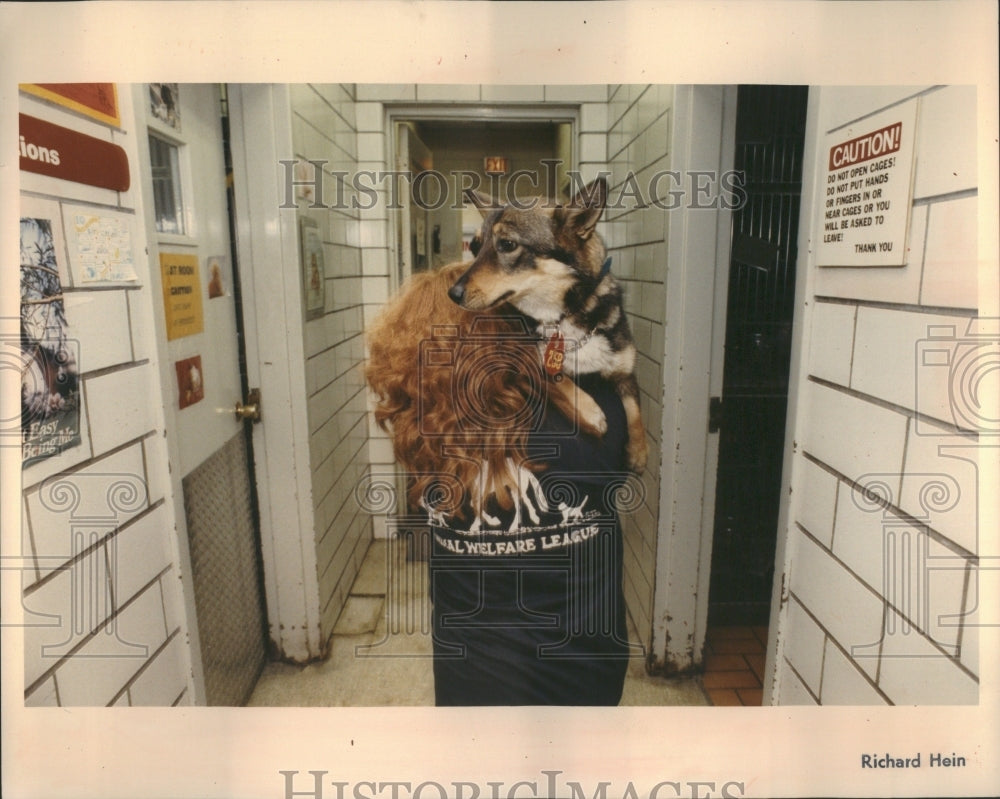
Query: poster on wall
[(313, 270), (190, 386), (181, 294), (868, 190), (95, 100), (50, 392), (164, 104), (100, 246)]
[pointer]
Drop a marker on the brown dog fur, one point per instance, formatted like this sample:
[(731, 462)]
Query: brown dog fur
[(429, 363), (550, 264)]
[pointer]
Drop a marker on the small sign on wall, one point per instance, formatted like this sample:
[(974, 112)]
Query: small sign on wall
[(216, 285), (868, 190), (100, 245), (190, 383), (181, 294)]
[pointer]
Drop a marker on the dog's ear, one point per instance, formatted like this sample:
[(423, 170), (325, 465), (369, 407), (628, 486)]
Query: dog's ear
[(485, 204), (586, 207)]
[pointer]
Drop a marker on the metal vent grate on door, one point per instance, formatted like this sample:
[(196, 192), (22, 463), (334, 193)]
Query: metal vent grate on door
[(225, 573)]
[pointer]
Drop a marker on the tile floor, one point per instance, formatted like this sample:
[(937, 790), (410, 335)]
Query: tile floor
[(381, 647), (734, 665)]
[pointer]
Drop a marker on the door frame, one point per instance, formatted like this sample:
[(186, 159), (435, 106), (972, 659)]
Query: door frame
[(797, 414), (268, 253), (399, 218), (703, 137), (180, 540), (241, 261), (405, 137), (780, 425)]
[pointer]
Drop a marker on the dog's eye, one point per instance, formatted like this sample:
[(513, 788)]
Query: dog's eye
[(506, 245)]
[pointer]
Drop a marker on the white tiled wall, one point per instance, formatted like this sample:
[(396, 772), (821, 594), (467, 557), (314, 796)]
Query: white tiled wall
[(99, 575), (882, 594), (804, 652), (329, 125), (638, 144)]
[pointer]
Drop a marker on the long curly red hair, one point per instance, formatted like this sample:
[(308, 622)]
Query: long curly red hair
[(458, 391)]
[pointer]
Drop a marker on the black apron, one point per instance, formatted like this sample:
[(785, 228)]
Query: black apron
[(536, 615)]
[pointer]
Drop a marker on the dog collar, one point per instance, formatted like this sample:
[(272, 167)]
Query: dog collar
[(555, 350)]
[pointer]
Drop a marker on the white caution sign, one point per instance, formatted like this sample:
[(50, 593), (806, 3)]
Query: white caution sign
[(868, 190)]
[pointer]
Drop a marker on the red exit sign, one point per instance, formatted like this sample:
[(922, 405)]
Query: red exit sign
[(495, 165)]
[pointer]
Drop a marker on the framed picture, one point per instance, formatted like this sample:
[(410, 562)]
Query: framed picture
[(313, 270), (164, 104), (190, 384)]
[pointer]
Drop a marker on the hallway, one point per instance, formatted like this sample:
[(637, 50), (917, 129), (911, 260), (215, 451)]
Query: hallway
[(147, 468), (210, 583), (381, 647)]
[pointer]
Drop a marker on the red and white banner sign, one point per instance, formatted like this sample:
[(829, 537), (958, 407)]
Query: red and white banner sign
[(59, 152)]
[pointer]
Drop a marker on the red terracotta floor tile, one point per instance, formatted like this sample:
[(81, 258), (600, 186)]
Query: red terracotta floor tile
[(730, 679), (737, 646), (724, 663), (756, 663), (734, 665), (724, 697)]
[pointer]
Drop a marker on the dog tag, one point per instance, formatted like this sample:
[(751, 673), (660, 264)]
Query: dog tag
[(555, 352)]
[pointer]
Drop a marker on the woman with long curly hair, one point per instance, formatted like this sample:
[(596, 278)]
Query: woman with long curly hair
[(526, 545)]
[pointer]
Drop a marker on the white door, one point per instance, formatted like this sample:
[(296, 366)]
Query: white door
[(412, 157), (186, 202)]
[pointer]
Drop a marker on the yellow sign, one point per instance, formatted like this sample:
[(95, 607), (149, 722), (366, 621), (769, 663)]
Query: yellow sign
[(181, 294)]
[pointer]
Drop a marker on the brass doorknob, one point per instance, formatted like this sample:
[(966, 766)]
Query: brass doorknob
[(251, 409)]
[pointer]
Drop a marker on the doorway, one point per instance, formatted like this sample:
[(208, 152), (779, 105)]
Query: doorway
[(509, 152), (750, 414), (517, 155), (187, 194)]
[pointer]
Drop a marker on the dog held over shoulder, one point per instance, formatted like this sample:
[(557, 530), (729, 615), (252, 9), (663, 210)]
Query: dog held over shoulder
[(550, 263)]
